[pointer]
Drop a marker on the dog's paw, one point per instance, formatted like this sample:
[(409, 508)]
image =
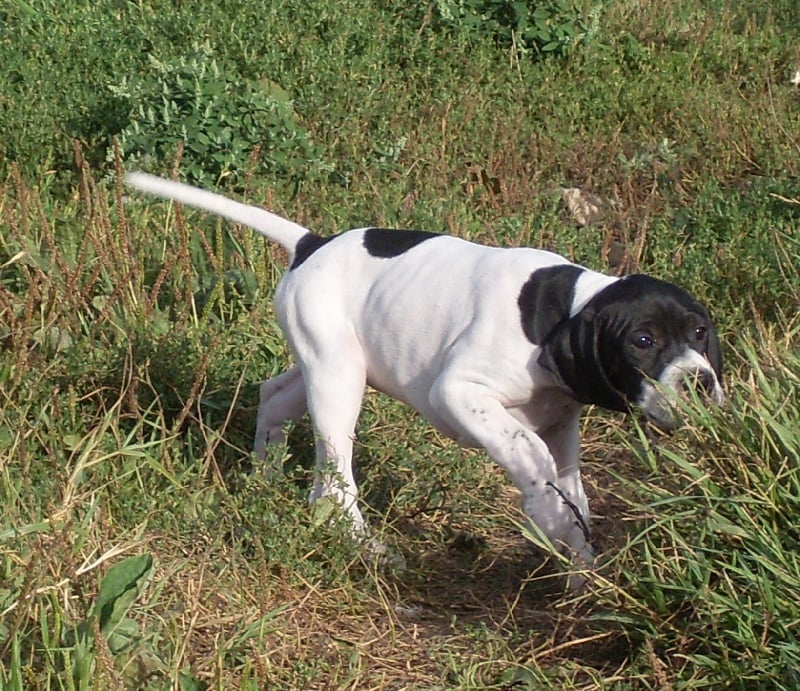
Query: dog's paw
[(582, 563), (383, 556), (577, 581)]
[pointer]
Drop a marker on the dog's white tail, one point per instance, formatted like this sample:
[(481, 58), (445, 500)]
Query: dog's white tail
[(268, 224)]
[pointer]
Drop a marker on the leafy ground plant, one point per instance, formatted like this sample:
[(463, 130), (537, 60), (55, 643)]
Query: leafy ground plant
[(542, 27), (223, 124)]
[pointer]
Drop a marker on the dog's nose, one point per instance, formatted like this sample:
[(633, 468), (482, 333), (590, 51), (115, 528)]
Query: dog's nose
[(701, 380)]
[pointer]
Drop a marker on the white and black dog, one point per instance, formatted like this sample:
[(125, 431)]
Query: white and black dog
[(497, 348)]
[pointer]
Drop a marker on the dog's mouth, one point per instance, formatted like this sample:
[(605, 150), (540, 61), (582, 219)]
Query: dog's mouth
[(681, 381)]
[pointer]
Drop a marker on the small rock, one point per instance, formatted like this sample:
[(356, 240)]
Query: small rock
[(585, 207)]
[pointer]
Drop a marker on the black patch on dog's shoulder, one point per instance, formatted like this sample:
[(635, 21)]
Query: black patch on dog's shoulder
[(385, 243), (546, 299), (306, 246)]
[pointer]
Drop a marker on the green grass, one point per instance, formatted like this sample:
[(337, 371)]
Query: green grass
[(133, 336)]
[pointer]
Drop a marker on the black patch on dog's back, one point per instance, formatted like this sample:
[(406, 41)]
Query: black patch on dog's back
[(546, 299), (385, 243), (306, 246)]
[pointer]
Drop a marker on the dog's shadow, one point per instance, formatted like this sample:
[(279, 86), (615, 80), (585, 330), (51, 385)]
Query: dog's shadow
[(504, 588), (487, 578)]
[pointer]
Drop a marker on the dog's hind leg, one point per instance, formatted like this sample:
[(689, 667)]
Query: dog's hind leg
[(282, 399), (335, 388)]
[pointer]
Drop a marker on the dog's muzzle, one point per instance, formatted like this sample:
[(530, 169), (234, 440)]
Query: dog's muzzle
[(689, 375)]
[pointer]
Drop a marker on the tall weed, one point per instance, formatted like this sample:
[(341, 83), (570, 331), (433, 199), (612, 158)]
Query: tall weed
[(708, 578)]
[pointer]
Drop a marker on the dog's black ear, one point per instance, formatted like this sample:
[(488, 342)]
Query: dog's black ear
[(572, 354)]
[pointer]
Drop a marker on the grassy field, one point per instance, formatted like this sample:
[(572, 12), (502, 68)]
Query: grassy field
[(140, 545)]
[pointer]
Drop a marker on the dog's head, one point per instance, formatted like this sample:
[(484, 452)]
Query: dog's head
[(639, 341)]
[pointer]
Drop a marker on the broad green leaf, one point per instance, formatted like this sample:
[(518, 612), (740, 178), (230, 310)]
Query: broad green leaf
[(122, 584)]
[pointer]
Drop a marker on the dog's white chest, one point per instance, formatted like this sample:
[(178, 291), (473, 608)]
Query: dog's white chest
[(547, 407)]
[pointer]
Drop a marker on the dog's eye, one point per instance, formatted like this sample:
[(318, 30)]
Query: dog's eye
[(700, 333), (643, 341)]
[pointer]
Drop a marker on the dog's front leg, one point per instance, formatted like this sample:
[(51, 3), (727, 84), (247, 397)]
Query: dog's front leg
[(479, 417), (563, 442)]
